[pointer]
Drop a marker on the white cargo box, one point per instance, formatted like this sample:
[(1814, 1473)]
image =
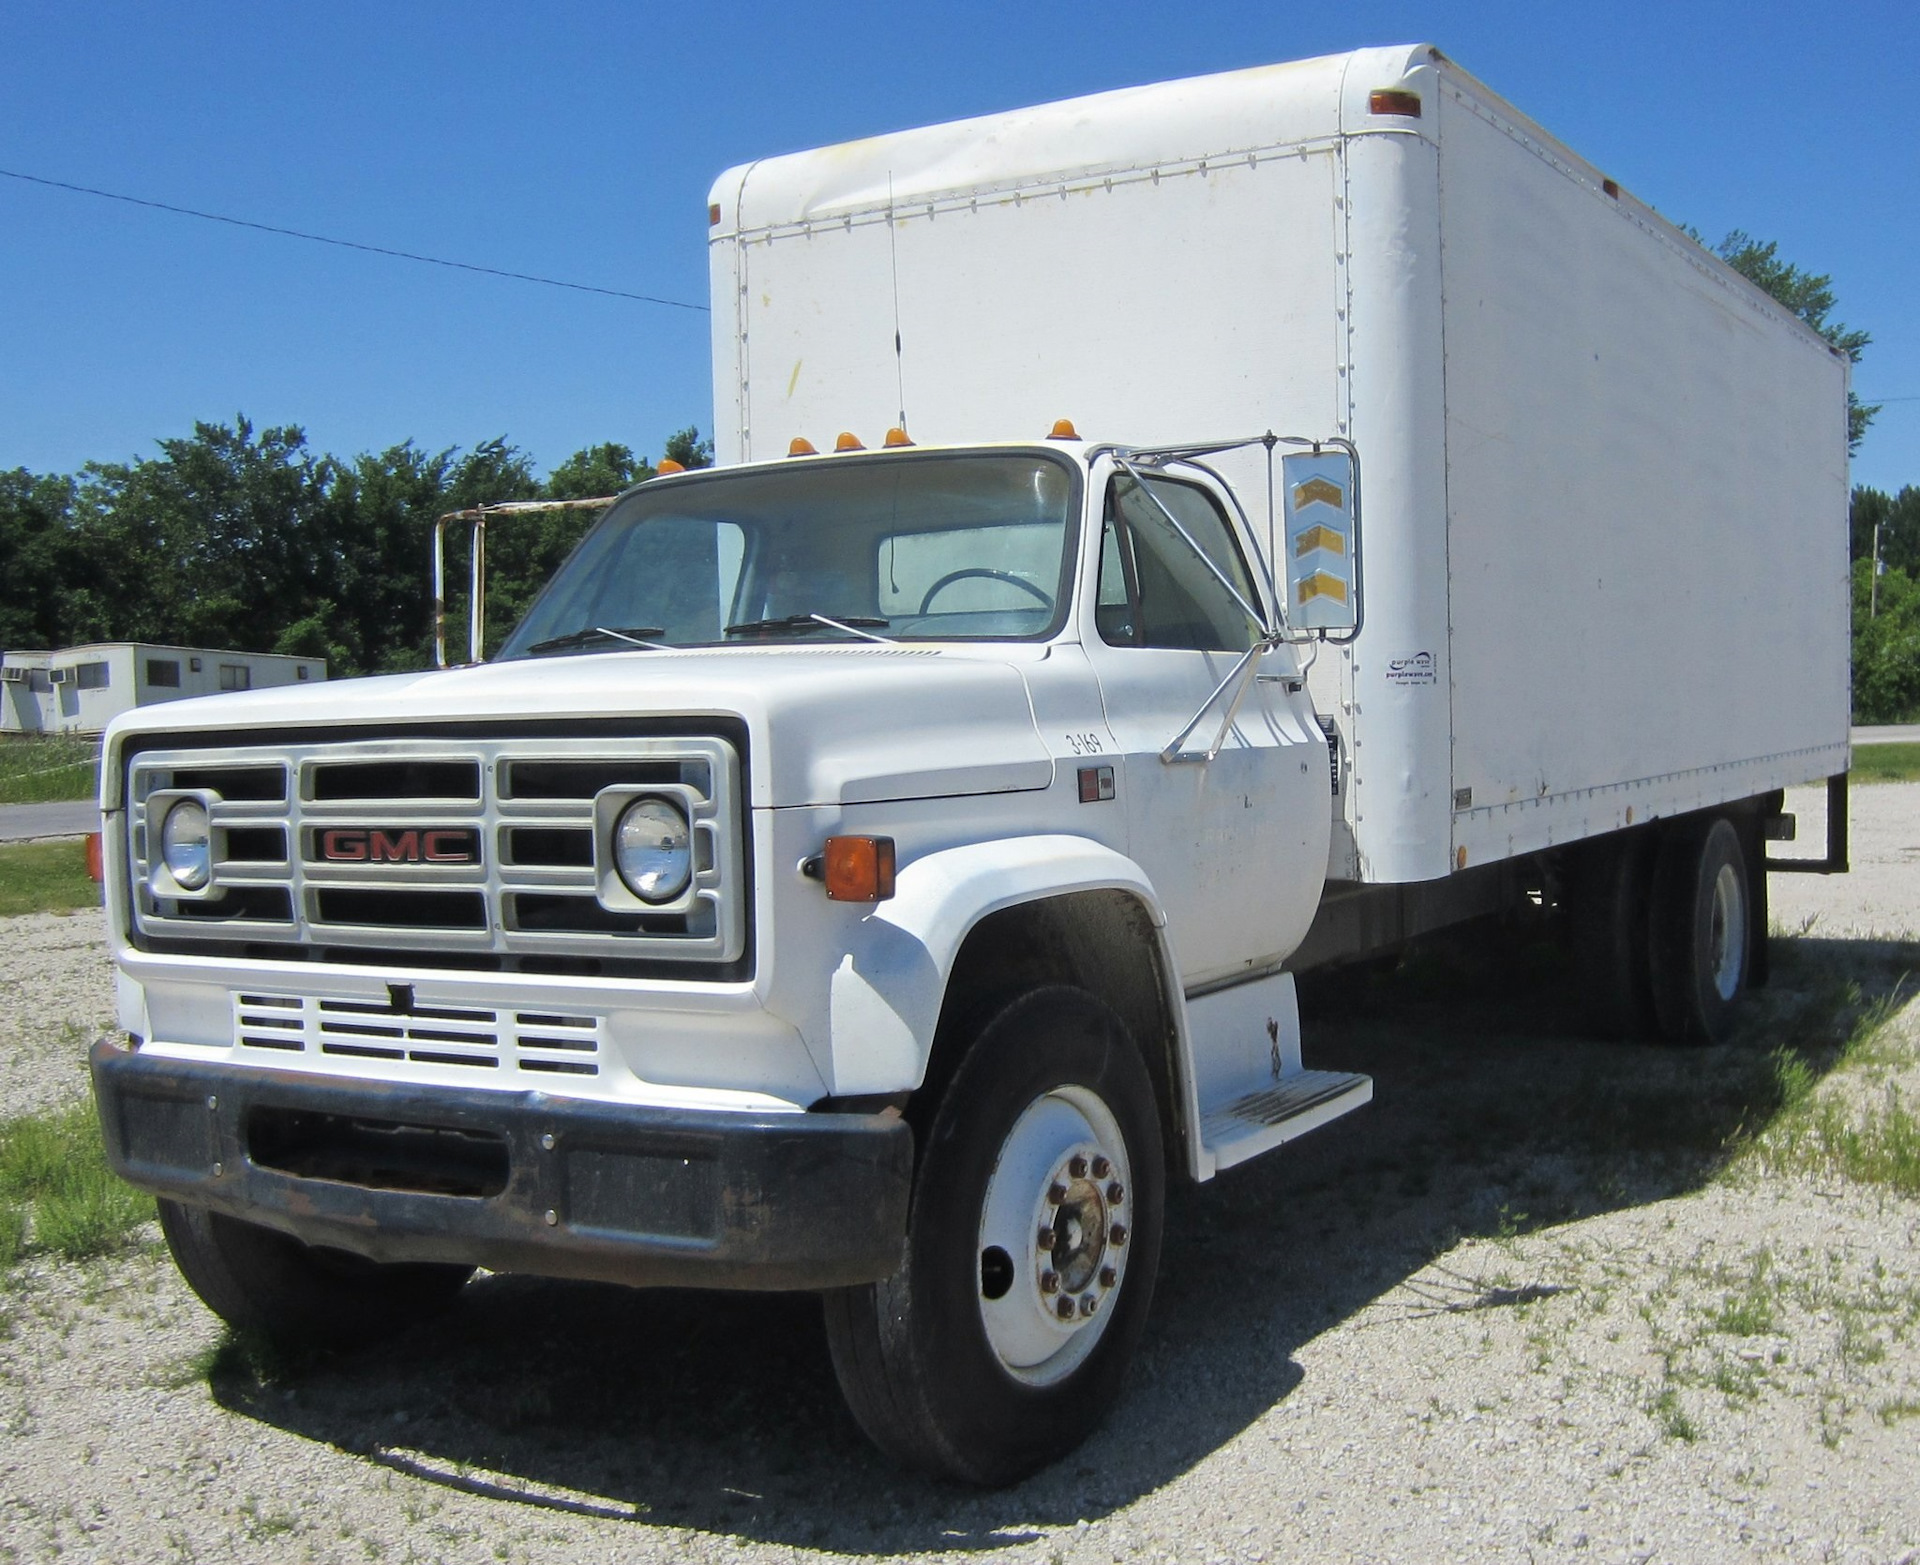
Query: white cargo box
[(1605, 479)]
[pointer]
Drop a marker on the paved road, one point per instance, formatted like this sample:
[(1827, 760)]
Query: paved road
[(66, 818), (1909, 734)]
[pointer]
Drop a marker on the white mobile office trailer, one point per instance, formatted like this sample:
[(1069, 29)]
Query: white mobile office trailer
[(1605, 478)]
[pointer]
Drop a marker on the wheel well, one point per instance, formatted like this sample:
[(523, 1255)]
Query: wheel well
[(1099, 941)]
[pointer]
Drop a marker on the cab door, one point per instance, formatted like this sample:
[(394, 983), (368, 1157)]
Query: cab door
[(1236, 846)]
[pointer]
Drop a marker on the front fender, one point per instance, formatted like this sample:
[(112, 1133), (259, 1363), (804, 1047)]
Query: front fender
[(886, 994)]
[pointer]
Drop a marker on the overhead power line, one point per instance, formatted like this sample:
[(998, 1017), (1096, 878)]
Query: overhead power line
[(349, 244)]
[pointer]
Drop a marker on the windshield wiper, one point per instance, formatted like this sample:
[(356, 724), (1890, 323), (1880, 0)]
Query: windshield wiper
[(853, 624), (580, 638)]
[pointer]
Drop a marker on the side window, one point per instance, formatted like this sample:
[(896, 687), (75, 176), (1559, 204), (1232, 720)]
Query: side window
[(1155, 591)]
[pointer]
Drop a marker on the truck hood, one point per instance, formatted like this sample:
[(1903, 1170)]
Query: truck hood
[(826, 725)]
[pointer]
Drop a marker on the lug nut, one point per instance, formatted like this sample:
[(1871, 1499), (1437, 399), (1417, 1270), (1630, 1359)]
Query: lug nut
[(1101, 1168), (1116, 1192), (1077, 1166), (1064, 1309), (1117, 1234), (1088, 1303), (1056, 1194), (1108, 1276), (1049, 1282), (1046, 1238)]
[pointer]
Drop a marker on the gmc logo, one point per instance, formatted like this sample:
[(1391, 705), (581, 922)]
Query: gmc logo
[(414, 845)]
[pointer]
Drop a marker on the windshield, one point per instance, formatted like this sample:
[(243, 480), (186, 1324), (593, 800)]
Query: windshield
[(894, 547)]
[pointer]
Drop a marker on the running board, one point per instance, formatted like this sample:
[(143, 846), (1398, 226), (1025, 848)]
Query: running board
[(1291, 1107)]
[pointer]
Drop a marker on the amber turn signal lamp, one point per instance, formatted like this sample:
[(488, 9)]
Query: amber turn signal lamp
[(668, 465), (1063, 430), (896, 437), (858, 869), (848, 441), (801, 446), (1394, 100)]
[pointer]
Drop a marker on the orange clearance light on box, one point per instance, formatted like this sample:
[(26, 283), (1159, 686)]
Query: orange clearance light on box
[(858, 869), (1394, 100)]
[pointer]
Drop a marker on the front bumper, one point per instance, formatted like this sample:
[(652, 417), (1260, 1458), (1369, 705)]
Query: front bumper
[(516, 1181)]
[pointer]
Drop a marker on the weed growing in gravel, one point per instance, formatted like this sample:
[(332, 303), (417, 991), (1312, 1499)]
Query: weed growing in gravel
[(53, 1169), (1901, 1407), (1750, 1312), (1672, 1417)]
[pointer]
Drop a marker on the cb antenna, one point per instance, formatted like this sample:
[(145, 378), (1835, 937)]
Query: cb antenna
[(893, 260)]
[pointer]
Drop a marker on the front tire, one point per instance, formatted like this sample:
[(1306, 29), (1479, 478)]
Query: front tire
[(1031, 1251), (258, 1280)]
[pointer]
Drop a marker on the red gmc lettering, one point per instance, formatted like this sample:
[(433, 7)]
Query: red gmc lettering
[(394, 847), (339, 844), (446, 847)]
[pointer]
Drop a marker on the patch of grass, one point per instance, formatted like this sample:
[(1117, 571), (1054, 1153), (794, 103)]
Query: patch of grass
[(1878, 763), (39, 768), (45, 877), (52, 1166), (1672, 1418), (1749, 1313), (1901, 1407)]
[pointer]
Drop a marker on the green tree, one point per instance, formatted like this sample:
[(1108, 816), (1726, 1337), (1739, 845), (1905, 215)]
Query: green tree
[(688, 449), (35, 515), (1898, 518), (596, 471), (1810, 296), (1886, 648)]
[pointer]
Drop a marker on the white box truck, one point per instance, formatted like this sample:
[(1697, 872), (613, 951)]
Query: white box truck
[(1162, 541)]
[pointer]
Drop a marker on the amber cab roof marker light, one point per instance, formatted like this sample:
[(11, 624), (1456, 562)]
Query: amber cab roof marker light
[(667, 465), (1063, 430), (897, 437), (1394, 100), (801, 446), (848, 441)]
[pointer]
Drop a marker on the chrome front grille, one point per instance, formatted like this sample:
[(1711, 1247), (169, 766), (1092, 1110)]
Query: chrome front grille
[(539, 1043), (474, 847)]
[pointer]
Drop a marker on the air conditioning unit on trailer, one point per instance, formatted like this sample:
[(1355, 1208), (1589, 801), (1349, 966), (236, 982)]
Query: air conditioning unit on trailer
[(15, 674), (61, 676)]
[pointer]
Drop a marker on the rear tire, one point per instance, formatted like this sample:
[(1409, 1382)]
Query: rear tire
[(1701, 940), (990, 1354), (258, 1280), (1609, 884)]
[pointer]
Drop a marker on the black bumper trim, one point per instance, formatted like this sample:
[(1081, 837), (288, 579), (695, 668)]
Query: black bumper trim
[(603, 1191)]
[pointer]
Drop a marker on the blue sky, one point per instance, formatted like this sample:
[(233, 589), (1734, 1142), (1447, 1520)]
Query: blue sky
[(578, 141)]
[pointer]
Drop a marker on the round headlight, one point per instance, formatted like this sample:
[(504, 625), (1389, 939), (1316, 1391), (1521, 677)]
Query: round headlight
[(186, 845), (653, 850)]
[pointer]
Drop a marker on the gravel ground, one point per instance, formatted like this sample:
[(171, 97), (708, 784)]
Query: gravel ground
[(1525, 1307)]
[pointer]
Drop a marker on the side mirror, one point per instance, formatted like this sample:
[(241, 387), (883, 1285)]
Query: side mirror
[(1321, 490)]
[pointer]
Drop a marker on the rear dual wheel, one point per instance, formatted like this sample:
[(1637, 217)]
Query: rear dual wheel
[(1702, 933), (1031, 1250), (1669, 926)]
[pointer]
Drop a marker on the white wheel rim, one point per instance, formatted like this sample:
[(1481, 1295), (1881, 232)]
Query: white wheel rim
[(1727, 936), (1062, 1175)]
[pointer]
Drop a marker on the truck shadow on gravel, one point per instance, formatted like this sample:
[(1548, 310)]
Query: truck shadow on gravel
[(718, 1412)]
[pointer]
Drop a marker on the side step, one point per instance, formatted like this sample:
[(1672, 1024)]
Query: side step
[(1297, 1103)]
